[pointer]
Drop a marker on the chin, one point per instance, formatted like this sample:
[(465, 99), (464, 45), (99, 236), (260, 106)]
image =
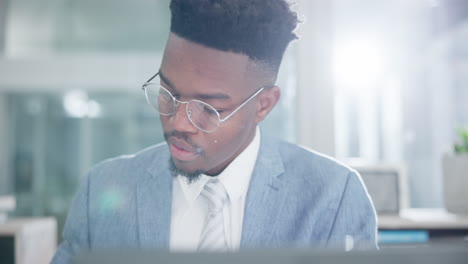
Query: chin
[(190, 173)]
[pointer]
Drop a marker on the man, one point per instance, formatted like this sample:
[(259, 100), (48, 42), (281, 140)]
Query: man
[(218, 183)]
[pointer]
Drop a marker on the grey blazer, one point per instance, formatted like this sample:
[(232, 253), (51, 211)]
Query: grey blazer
[(296, 198)]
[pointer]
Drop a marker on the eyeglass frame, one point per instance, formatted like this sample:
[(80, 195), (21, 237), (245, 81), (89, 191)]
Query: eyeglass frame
[(177, 102)]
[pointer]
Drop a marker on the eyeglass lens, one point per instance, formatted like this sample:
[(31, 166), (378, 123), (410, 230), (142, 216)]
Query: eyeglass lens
[(202, 115)]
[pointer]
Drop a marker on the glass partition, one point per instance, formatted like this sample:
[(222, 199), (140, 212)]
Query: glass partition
[(71, 91)]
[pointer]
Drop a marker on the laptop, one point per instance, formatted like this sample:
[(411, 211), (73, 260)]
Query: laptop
[(430, 254)]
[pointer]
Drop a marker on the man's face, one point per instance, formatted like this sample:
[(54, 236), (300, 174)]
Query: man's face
[(221, 79)]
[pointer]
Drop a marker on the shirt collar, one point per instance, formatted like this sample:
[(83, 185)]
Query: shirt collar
[(235, 177)]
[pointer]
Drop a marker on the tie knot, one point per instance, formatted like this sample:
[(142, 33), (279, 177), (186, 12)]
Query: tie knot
[(216, 194)]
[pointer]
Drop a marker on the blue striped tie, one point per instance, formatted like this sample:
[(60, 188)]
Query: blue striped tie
[(213, 237)]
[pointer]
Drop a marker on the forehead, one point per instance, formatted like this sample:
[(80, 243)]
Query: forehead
[(187, 64)]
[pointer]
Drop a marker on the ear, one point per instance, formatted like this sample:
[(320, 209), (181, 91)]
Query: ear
[(266, 100)]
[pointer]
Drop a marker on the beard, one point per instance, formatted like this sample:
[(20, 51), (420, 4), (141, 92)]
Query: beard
[(191, 177)]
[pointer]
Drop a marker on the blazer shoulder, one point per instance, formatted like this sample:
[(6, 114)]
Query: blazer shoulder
[(304, 160), (320, 174), (314, 174)]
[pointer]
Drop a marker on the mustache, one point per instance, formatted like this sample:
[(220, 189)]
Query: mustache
[(184, 137)]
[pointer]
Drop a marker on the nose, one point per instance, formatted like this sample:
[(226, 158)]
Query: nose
[(180, 120)]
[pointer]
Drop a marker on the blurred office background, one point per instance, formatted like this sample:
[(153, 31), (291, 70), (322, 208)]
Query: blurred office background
[(374, 80)]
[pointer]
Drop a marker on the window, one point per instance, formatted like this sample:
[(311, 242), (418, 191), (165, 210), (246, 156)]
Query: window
[(71, 93), (401, 86)]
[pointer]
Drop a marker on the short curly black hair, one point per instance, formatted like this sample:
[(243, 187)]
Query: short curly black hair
[(260, 29)]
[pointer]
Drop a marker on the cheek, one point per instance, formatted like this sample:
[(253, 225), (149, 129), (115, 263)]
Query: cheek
[(164, 119), (219, 145), (232, 137)]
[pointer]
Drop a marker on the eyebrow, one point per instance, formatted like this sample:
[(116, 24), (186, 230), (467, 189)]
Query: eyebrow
[(208, 96), (219, 96), (164, 79)]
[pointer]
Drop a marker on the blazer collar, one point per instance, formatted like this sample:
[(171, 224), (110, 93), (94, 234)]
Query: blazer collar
[(265, 195)]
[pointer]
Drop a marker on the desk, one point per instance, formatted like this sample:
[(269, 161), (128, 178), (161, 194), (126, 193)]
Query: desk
[(28, 240), (438, 224)]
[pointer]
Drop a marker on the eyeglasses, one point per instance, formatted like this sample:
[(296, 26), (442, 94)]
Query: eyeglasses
[(202, 115)]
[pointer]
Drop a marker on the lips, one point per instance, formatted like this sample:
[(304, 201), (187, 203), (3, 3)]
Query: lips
[(181, 150)]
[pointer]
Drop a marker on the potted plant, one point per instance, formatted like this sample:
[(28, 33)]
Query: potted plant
[(455, 168)]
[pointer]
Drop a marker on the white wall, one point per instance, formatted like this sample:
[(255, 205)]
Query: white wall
[(315, 96)]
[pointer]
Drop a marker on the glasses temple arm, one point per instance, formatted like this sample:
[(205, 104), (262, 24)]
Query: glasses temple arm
[(150, 79), (244, 103)]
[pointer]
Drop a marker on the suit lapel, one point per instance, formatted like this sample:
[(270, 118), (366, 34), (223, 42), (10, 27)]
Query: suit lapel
[(264, 199), (154, 204), (265, 196)]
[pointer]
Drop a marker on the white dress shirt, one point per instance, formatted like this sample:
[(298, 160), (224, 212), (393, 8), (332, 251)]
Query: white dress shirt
[(189, 209)]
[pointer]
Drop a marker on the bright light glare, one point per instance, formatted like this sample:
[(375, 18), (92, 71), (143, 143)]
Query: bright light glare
[(358, 62), (77, 104)]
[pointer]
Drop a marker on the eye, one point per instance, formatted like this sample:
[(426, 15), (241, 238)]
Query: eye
[(209, 110), (175, 95)]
